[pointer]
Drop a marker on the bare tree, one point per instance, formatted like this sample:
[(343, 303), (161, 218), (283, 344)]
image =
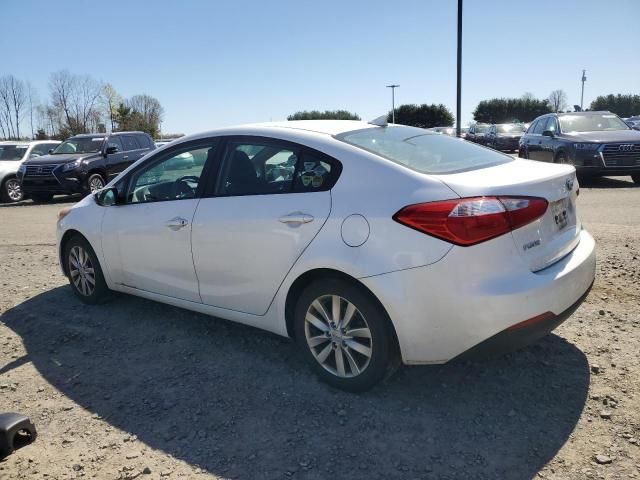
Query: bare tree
[(31, 95), (12, 102), (558, 100), (528, 96), (76, 98), (110, 101)]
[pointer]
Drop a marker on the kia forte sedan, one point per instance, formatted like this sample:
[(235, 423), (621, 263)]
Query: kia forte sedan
[(368, 245)]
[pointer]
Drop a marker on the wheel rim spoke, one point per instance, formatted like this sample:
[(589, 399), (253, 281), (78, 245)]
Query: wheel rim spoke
[(352, 362), (358, 347), (316, 322), (340, 362), (319, 340), (359, 332), (335, 308), (348, 315), (324, 354), (321, 310)]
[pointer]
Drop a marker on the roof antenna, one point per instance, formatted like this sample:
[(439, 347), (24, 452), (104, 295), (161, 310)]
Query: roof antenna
[(381, 121)]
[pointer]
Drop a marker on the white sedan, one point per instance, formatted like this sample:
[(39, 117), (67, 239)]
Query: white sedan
[(369, 245)]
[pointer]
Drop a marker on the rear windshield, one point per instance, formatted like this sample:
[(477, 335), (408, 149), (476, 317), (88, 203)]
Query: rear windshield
[(597, 122), (12, 152), (424, 151), (511, 128)]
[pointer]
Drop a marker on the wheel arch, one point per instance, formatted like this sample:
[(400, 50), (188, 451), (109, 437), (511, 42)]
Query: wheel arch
[(68, 235), (308, 277)]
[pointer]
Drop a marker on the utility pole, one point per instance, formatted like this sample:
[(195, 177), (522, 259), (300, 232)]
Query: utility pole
[(584, 79), (393, 102), (459, 87)]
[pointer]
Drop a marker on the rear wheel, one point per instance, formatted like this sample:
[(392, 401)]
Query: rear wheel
[(562, 158), (11, 190), (344, 335), (41, 197), (95, 182), (85, 274)]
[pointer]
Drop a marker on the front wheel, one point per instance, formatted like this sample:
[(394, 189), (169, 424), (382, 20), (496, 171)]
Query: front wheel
[(95, 182), (344, 335), (562, 158), (11, 190), (84, 272)]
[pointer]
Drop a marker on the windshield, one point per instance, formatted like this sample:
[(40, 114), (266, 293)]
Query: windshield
[(600, 122), (482, 128), (80, 145), (12, 152), (511, 128), (424, 151)]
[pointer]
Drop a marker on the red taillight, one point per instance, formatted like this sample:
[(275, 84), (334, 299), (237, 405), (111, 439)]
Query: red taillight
[(467, 221)]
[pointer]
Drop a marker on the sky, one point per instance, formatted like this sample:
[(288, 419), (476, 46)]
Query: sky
[(218, 63)]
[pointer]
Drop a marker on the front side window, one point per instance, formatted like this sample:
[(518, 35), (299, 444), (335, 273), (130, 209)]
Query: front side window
[(12, 152), (80, 145), (423, 151), (130, 143), (114, 142), (175, 176), (539, 126)]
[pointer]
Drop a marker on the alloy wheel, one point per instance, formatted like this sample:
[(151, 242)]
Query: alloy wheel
[(81, 271), (96, 183), (338, 336), (14, 192)]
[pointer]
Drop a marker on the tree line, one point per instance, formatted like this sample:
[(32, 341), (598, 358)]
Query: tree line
[(75, 104), (496, 110)]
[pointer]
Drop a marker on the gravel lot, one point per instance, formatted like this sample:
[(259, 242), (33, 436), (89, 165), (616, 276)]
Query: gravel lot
[(138, 389)]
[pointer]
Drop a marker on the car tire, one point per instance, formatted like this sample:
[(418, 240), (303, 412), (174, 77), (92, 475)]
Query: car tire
[(11, 190), (636, 178), (84, 272), (562, 158), (95, 182), (354, 362), (41, 197)]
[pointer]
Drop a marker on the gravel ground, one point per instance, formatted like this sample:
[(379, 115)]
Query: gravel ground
[(135, 389)]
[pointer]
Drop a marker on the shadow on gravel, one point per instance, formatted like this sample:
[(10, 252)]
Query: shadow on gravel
[(240, 403), (55, 200), (607, 182)]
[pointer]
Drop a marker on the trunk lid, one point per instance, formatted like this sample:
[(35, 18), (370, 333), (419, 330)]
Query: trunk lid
[(551, 237)]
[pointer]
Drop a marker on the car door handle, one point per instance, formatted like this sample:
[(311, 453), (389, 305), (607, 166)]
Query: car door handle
[(126, 157), (176, 223), (296, 218)]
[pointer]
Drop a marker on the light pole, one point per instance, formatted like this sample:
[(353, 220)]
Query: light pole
[(393, 102), (459, 88), (584, 79)]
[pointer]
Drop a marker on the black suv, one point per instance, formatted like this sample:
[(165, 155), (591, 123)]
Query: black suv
[(504, 136), (82, 164), (596, 143), (477, 133)]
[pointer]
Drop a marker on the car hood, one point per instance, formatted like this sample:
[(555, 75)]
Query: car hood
[(604, 137), (57, 159)]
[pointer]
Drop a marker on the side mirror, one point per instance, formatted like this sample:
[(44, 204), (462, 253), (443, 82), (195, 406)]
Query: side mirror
[(548, 133), (107, 197), (111, 150)]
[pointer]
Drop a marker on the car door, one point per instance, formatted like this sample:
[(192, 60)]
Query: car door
[(548, 143), (146, 238), (270, 200), (534, 139), (115, 161)]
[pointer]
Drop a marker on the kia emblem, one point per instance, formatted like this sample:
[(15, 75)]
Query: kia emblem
[(569, 184)]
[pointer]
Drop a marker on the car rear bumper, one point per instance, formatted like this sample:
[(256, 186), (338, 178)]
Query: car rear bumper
[(442, 310)]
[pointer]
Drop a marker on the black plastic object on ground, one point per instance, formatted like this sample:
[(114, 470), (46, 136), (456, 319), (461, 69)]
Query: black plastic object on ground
[(15, 431)]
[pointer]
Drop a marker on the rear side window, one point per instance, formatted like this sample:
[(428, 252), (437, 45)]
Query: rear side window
[(263, 167), (130, 143), (424, 151), (144, 141)]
